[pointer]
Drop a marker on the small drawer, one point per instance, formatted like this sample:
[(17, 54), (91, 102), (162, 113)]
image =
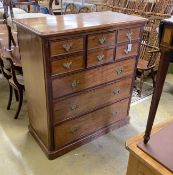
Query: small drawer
[(90, 78), (122, 51), (99, 57), (80, 104), (101, 40), (87, 124), (127, 35), (67, 64), (66, 46)]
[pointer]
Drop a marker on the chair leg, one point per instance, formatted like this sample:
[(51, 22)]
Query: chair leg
[(10, 97), (153, 77), (10, 38), (141, 84), (16, 95), (20, 104)]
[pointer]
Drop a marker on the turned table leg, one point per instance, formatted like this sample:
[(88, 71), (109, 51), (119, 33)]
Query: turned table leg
[(161, 75)]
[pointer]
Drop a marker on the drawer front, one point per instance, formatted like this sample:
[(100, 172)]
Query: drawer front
[(67, 64), (100, 56), (90, 100), (101, 40), (73, 130), (66, 46), (90, 78), (126, 35), (122, 51)]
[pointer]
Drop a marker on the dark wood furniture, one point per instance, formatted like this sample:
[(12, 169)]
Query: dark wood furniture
[(15, 84), (141, 163), (78, 75), (166, 48)]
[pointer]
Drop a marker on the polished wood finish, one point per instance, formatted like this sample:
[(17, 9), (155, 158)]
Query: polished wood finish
[(74, 129), (125, 34), (79, 86), (100, 57), (122, 50), (142, 163), (101, 40), (66, 46), (78, 105), (93, 77), (67, 64), (166, 48)]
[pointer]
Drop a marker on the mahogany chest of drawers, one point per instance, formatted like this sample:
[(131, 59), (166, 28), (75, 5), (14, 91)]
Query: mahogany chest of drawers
[(78, 72)]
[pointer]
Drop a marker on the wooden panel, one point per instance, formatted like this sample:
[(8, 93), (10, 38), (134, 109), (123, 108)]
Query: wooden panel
[(123, 35), (121, 51), (90, 78), (65, 24), (87, 124), (66, 46), (68, 64), (101, 39), (100, 56), (80, 104), (35, 86)]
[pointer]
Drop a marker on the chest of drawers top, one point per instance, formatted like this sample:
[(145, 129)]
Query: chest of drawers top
[(66, 24)]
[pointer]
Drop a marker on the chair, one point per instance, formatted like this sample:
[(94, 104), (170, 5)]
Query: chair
[(8, 71), (10, 14), (148, 55), (119, 7), (84, 10), (71, 9)]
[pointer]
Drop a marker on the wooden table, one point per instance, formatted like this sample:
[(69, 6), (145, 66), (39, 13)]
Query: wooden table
[(166, 48), (141, 163), (79, 74)]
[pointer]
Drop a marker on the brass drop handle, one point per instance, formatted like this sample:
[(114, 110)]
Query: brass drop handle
[(114, 113), (75, 83), (126, 51), (129, 36), (100, 57), (67, 65), (74, 107), (102, 40), (119, 70), (116, 91), (74, 130), (67, 46)]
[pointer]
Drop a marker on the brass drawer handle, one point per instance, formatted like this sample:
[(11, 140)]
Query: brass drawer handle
[(116, 91), (74, 107), (74, 130), (68, 65), (114, 113), (67, 46), (129, 36), (102, 40), (119, 70), (100, 57), (75, 83), (126, 51)]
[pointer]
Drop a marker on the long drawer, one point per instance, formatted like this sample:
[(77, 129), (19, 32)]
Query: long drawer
[(91, 100), (87, 124), (86, 79)]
